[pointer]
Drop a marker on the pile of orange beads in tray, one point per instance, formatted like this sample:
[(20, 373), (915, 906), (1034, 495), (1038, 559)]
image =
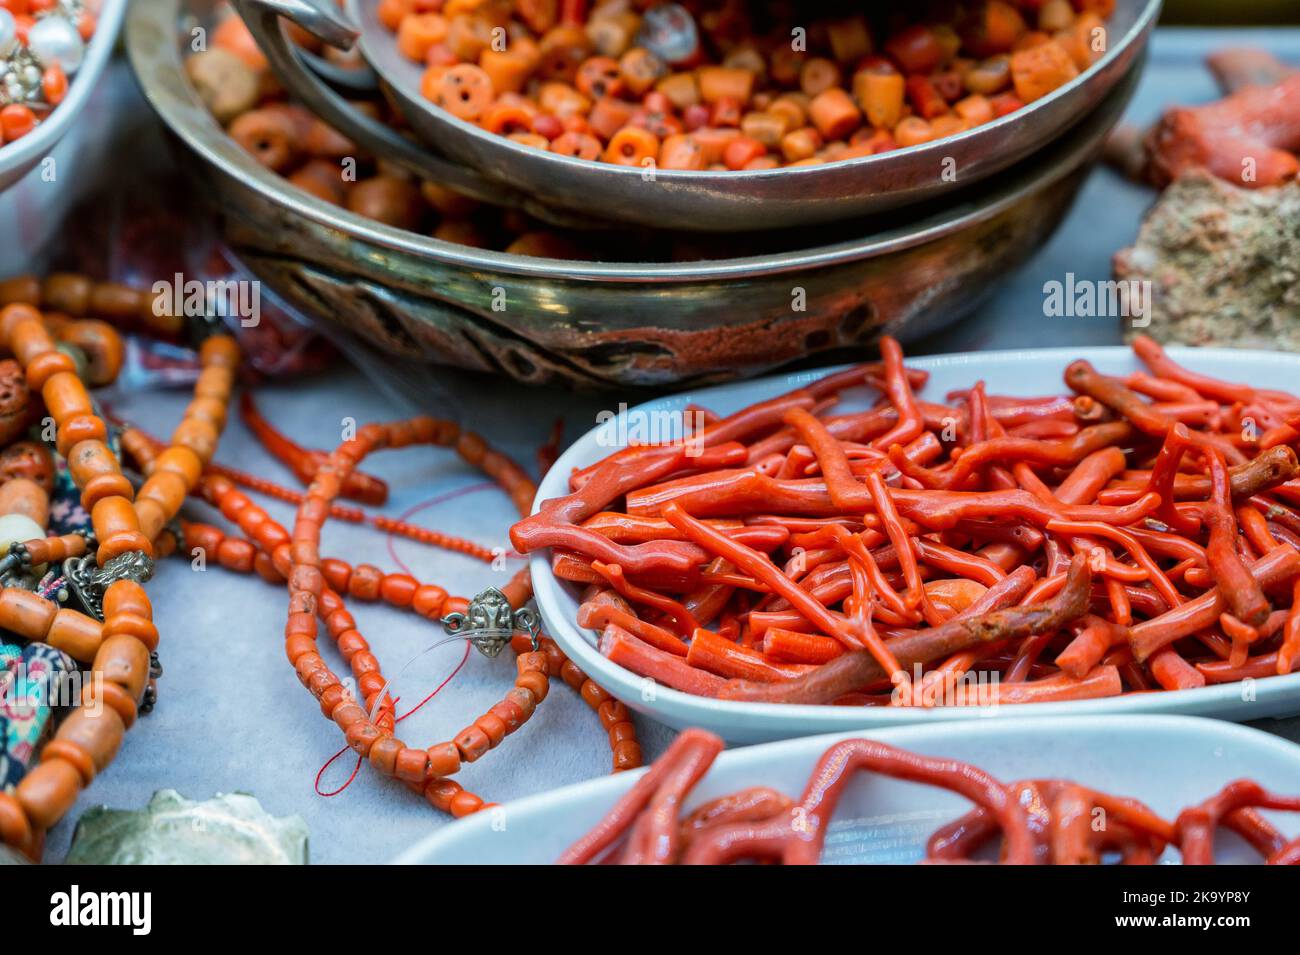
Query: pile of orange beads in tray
[(1139, 533), (42, 43), (730, 85), (1034, 821)]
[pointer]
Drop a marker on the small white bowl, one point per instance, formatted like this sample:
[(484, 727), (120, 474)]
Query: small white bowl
[(19, 157), (1030, 372), (1167, 762)]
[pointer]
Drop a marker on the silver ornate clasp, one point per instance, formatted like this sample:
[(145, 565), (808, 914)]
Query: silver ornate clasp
[(87, 581), (489, 622)]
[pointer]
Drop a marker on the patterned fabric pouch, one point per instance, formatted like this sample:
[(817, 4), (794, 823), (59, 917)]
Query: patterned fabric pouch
[(31, 691)]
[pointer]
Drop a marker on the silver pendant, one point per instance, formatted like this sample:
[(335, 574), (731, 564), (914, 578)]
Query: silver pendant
[(489, 622), (87, 581)]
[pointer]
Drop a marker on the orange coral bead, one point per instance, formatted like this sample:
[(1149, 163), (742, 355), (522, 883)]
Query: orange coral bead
[(15, 830), (538, 684), (118, 529), (48, 791), (65, 396), (78, 428), (67, 292), (89, 459), (102, 693), (18, 310), (197, 435), (441, 792), (124, 661), (411, 764), (429, 601), (47, 365), (96, 488), (29, 338), (72, 754), (472, 742), (465, 804), (182, 461), (127, 596), (221, 351), (365, 582), (132, 625), (444, 759), (98, 733), (77, 635), (398, 589), (627, 755), (26, 614)]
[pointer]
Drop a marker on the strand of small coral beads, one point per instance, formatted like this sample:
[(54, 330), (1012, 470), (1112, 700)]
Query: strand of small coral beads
[(269, 549), (126, 525), (314, 594)]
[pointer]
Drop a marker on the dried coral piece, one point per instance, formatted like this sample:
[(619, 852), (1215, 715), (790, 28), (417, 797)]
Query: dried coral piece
[(1249, 138)]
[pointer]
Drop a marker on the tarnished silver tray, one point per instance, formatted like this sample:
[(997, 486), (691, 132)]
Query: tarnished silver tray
[(484, 163), (600, 323)]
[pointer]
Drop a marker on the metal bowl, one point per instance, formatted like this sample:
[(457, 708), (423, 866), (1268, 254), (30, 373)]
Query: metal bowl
[(599, 323), (486, 164), (19, 157)]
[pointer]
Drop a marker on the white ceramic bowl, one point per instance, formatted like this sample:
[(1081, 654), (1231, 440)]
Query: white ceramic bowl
[(18, 158), (1031, 372), (1167, 762)]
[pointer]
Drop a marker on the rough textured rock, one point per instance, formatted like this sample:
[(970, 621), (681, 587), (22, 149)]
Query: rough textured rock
[(1223, 262)]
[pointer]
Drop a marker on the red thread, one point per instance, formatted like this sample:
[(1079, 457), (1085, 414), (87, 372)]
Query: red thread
[(327, 765), (451, 676), (392, 552), (431, 502)]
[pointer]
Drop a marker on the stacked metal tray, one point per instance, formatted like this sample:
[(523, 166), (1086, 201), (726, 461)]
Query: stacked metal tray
[(908, 270)]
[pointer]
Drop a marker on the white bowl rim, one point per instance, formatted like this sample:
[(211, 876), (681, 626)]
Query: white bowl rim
[(25, 152), (911, 735)]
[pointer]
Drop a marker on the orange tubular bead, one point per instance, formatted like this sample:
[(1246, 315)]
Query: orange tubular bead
[(111, 695), (26, 614), (65, 396), (132, 625), (98, 735), (55, 549), (82, 427), (198, 436), (48, 365), (95, 470), (220, 351), (28, 339), (127, 597), (15, 830), (118, 529), (48, 791), (124, 661), (167, 489), (77, 635), (181, 461)]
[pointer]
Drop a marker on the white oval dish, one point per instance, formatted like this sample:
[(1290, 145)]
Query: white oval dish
[(1029, 372), (18, 158), (1167, 762)]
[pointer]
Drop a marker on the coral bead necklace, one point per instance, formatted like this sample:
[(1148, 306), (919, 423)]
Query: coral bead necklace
[(132, 527), (118, 640), (316, 585)]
